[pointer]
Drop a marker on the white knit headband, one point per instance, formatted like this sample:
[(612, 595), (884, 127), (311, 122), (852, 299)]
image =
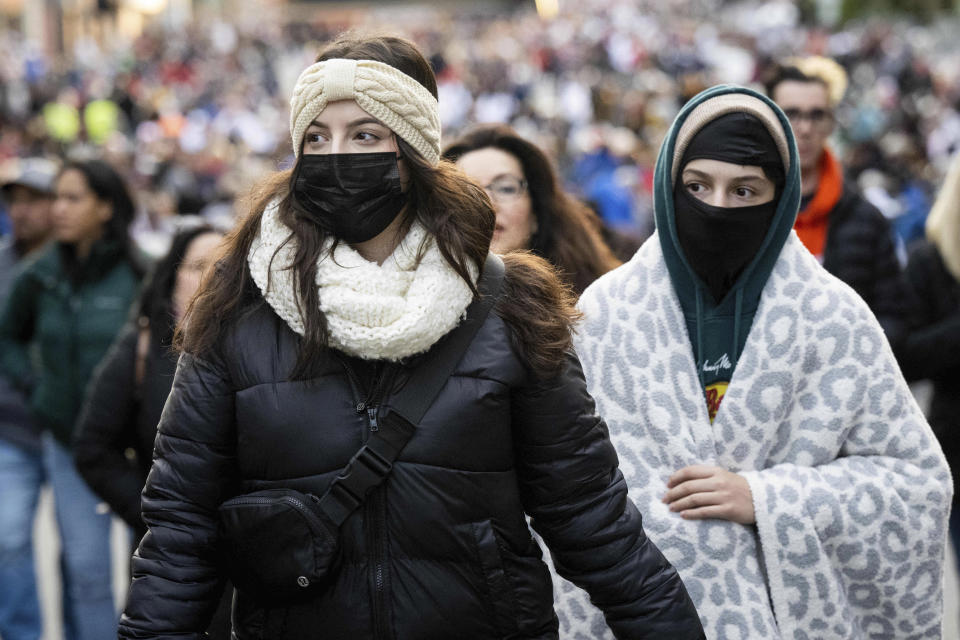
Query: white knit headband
[(389, 95)]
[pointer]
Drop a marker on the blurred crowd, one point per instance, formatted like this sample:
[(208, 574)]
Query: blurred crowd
[(160, 137), (194, 116)]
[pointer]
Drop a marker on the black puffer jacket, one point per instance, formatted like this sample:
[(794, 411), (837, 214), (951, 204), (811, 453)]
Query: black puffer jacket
[(931, 349), (442, 548), (859, 250)]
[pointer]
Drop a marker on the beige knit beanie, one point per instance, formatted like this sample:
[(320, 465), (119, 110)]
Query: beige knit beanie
[(389, 95), (721, 105)]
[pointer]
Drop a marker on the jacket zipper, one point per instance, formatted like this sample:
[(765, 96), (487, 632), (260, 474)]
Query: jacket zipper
[(374, 506), (377, 545)]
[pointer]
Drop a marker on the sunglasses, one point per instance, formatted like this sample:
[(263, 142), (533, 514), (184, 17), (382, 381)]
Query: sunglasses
[(816, 117)]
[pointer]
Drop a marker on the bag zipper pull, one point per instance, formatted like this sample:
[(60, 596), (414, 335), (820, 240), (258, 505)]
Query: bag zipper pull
[(372, 414)]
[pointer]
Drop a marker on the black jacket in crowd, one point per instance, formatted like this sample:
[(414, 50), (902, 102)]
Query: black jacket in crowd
[(860, 251), (441, 549), (120, 417), (931, 349)]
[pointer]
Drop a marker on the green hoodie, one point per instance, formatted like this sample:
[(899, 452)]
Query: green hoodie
[(718, 331)]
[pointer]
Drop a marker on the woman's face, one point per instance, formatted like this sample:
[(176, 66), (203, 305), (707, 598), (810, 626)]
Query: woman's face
[(78, 214), (501, 175), (198, 257), (727, 185)]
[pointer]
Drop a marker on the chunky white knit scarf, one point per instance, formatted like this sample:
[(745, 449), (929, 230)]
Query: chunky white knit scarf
[(375, 312)]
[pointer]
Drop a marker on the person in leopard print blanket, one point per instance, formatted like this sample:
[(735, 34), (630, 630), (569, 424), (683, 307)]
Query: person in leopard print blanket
[(763, 426)]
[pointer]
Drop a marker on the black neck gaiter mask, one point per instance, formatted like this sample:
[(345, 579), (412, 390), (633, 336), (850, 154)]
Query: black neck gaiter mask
[(352, 196), (718, 241)]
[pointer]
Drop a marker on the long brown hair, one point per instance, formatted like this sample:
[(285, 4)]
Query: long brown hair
[(568, 232), (453, 209)]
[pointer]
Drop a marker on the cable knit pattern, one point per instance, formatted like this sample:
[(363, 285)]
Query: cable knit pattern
[(376, 312), (389, 95)]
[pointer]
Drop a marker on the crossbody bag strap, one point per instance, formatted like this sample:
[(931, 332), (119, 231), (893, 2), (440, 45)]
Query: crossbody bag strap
[(374, 461)]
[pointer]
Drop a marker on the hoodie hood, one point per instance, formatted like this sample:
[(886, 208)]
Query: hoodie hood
[(718, 330)]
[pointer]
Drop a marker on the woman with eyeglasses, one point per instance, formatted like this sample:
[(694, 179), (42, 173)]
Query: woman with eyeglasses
[(317, 324), (533, 212)]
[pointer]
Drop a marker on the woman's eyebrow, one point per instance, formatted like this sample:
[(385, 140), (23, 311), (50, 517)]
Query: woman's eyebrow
[(355, 123), (505, 174), (697, 173), (750, 178)]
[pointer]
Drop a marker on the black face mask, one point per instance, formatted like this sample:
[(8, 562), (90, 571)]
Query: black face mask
[(719, 242), (353, 196)]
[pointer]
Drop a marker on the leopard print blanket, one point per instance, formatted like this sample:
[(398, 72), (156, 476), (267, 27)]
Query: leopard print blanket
[(850, 487)]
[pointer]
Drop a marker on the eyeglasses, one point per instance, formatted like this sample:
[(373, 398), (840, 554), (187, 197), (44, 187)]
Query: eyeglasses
[(816, 117), (506, 189)]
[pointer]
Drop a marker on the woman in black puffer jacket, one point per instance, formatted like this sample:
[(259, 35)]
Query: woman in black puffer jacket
[(346, 274)]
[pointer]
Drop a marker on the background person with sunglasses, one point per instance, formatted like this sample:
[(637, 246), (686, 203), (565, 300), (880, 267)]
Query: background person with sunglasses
[(847, 234), (533, 211)]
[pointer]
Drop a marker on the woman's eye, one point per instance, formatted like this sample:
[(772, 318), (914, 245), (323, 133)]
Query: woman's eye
[(366, 136), (694, 187), (743, 192), (314, 138)]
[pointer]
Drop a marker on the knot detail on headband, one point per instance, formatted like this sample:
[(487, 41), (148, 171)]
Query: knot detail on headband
[(340, 77), (386, 93)]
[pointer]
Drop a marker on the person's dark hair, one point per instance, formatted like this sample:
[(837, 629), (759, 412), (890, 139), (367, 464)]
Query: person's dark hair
[(455, 211), (109, 187), (568, 232), (540, 309), (156, 299), (785, 73)]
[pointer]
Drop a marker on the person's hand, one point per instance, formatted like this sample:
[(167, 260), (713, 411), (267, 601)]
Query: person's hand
[(701, 491)]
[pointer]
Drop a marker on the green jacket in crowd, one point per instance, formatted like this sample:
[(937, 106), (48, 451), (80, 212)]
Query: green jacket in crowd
[(67, 314)]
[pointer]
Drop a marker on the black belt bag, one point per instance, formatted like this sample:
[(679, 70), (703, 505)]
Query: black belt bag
[(276, 543), (279, 544)]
